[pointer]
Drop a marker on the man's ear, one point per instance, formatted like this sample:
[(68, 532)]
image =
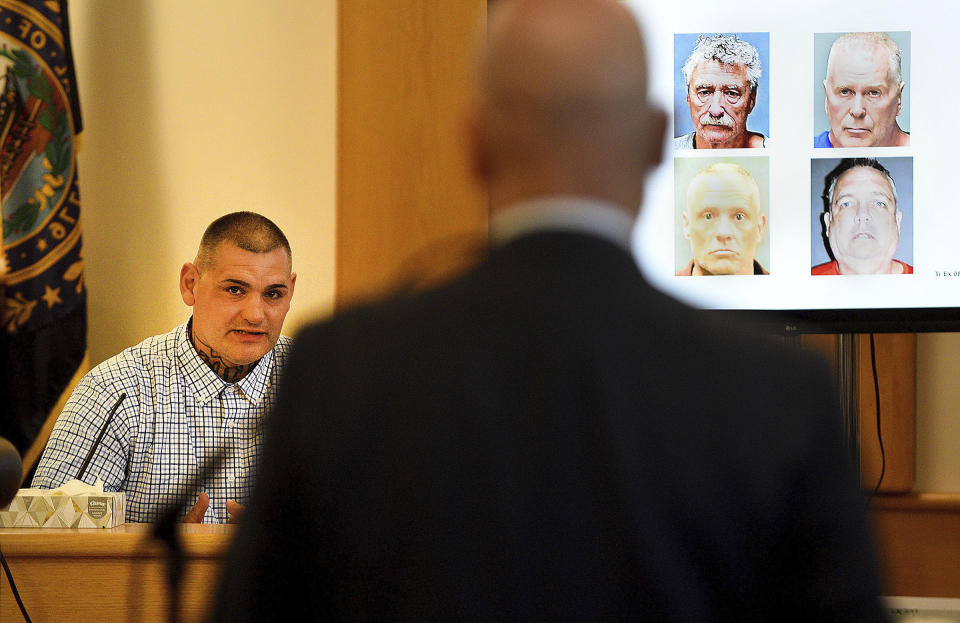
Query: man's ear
[(654, 136), (478, 149), (899, 219), (762, 226), (189, 275), (293, 282), (685, 223), (900, 98), (826, 222)]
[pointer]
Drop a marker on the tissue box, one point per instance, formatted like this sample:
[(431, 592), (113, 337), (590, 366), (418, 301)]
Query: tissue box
[(45, 508)]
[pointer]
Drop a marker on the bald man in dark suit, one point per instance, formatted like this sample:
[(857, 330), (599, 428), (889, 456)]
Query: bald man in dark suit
[(547, 437)]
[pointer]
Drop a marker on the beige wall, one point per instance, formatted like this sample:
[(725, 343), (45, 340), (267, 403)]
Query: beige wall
[(193, 109), (938, 412)]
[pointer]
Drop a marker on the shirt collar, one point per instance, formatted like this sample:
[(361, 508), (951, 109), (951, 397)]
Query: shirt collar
[(205, 382), (586, 215)]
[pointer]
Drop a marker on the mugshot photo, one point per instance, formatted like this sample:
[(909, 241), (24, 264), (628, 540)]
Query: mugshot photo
[(722, 216), (861, 90), (721, 94), (861, 216)]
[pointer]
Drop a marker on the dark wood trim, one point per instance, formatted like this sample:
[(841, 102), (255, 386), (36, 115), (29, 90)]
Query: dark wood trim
[(918, 537)]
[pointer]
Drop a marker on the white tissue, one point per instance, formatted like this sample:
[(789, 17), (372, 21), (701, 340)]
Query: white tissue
[(78, 487)]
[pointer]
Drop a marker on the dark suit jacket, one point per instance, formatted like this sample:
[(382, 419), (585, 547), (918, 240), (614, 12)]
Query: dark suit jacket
[(549, 438)]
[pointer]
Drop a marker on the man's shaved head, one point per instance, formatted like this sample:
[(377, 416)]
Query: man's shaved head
[(562, 103), (248, 230)]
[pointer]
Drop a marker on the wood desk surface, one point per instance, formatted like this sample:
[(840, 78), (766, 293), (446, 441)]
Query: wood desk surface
[(198, 540)]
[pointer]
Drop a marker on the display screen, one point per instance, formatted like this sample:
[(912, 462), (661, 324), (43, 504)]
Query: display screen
[(809, 169)]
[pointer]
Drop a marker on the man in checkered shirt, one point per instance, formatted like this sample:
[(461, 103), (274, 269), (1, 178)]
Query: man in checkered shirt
[(195, 397)]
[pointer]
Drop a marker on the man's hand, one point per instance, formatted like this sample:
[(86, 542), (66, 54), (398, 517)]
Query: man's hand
[(195, 514), (235, 511)]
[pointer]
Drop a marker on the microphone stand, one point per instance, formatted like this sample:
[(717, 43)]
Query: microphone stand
[(165, 530), (103, 429)]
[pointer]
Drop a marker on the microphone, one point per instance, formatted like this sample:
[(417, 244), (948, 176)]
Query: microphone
[(11, 472), (96, 443)]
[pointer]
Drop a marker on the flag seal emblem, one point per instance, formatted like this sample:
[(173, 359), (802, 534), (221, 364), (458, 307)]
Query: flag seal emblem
[(38, 173)]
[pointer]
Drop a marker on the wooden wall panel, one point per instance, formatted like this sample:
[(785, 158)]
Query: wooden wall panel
[(896, 356), (405, 197), (896, 374)]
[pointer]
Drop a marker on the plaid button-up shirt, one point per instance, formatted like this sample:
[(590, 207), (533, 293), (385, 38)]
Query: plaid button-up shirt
[(177, 416)]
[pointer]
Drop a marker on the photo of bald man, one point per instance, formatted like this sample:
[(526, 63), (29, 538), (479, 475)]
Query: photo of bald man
[(722, 220)]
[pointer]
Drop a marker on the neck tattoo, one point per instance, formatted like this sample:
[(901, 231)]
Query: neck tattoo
[(216, 362)]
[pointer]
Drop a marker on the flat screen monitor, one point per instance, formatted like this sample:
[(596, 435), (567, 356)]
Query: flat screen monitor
[(810, 167)]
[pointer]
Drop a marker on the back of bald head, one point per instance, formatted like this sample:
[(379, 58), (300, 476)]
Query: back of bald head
[(563, 94)]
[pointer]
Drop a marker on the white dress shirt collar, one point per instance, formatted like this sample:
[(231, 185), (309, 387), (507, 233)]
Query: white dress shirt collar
[(585, 215)]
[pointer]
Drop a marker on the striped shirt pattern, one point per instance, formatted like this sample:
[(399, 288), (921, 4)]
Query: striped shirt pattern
[(178, 415)]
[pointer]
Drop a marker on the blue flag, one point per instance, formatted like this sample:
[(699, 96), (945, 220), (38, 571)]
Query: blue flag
[(44, 298)]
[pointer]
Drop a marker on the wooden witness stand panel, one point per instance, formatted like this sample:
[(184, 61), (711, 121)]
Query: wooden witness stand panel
[(115, 574)]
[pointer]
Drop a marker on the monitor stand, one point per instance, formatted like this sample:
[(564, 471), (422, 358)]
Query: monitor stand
[(845, 358), (847, 387)]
